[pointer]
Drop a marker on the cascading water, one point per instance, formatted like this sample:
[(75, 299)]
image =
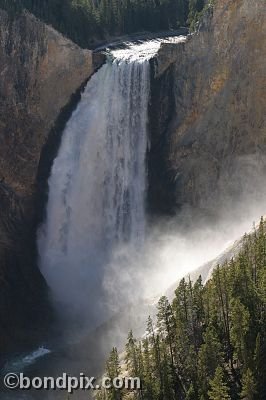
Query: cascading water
[(97, 184)]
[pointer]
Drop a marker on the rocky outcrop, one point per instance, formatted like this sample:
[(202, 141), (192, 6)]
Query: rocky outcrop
[(39, 72), (208, 112)]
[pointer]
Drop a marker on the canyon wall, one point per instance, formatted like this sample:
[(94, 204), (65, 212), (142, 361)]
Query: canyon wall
[(208, 112), (40, 72), (207, 133)]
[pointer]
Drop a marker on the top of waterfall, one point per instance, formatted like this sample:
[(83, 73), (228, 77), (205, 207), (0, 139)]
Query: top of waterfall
[(143, 51)]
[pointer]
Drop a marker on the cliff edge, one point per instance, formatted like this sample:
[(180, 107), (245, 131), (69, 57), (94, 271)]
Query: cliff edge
[(39, 72), (208, 113)]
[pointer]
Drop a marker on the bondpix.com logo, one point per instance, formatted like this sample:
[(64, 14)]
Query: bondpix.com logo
[(69, 383)]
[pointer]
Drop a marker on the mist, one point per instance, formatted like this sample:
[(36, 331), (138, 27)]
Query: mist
[(95, 283), (105, 259), (176, 247)]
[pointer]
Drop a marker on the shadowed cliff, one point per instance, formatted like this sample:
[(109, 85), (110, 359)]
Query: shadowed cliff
[(40, 71), (208, 136), (207, 132)]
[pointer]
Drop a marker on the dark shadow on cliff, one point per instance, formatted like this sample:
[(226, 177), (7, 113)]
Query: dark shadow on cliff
[(161, 108), (51, 147)]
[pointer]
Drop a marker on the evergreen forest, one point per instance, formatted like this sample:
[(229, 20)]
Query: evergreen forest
[(87, 21), (210, 342)]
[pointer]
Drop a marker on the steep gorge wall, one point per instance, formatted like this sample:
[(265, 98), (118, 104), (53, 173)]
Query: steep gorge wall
[(207, 125), (39, 72), (208, 112)]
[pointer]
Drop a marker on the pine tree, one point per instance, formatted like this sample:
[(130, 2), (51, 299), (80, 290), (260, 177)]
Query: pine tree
[(248, 386), (240, 318), (113, 370), (151, 384), (167, 327), (218, 387), (131, 355), (260, 364), (191, 393), (209, 337), (210, 358)]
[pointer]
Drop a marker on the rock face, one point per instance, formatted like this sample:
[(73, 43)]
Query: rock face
[(208, 112), (207, 124), (39, 72)]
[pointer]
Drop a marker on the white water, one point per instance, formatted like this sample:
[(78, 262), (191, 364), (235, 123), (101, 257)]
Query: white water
[(98, 182), (20, 363)]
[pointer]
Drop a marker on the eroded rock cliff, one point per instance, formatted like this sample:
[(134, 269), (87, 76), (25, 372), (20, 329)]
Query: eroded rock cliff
[(208, 112), (39, 72)]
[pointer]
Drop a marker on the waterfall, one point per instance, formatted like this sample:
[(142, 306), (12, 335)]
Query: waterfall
[(98, 180)]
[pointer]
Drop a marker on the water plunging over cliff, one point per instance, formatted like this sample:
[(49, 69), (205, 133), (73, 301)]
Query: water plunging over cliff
[(98, 180)]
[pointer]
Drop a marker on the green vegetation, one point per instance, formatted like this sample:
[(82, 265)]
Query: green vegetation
[(86, 20), (196, 10), (210, 343)]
